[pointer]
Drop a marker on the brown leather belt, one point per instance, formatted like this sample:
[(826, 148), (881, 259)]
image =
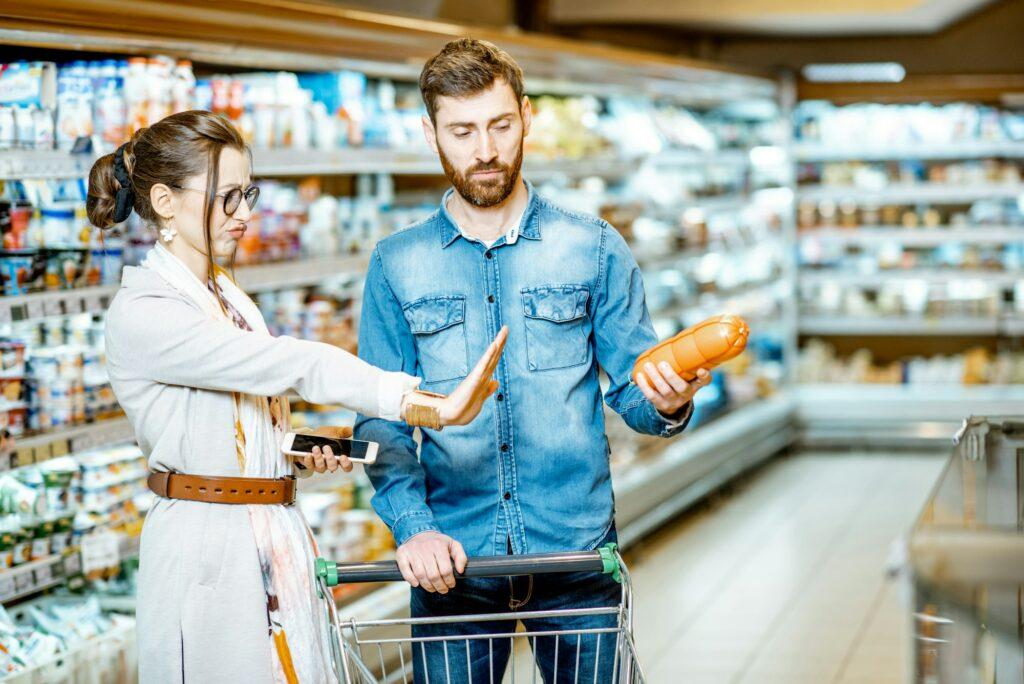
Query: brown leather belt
[(223, 490)]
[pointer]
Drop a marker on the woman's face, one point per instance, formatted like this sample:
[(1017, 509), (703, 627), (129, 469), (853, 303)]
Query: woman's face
[(225, 230)]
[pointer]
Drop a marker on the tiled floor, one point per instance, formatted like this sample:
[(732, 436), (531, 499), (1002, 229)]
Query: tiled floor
[(784, 580)]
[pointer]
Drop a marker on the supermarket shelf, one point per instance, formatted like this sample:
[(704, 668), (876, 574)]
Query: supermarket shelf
[(845, 277), (287, 162), (674, 157), (915, 237), (975, 149), (256, 278), (910, 325), (43, 164), (900, 415), (301, 273), (24, 580), (656, 259), (652, 491), (283, 162), (1013, 326), (56, 303), (924, 193), (319, 37), (47, 445), (720, 300), (721, 203)]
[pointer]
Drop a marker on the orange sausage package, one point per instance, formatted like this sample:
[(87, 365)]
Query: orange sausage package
[(705, 345)]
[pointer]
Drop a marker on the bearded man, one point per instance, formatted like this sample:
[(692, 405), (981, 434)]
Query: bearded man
[(531, 474)]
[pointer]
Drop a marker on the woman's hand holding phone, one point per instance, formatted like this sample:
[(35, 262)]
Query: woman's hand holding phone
[(325, 460), (464, 404)]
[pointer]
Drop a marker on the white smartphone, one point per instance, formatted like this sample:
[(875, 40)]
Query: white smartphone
[(301, 444)]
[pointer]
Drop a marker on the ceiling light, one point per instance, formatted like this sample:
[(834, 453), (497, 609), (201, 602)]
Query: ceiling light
[(862, 72)]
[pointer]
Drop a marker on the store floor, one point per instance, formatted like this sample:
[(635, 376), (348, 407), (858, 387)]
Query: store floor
[(784, 580)]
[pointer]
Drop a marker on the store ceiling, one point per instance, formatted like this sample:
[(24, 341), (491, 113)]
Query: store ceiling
[(772, 17)]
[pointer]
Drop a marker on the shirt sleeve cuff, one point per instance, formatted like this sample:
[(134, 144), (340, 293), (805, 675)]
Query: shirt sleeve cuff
[(673, 425), (391, 389), (412, 523)]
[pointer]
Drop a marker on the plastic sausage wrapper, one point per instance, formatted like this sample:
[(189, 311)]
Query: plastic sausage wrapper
[(705, 345)]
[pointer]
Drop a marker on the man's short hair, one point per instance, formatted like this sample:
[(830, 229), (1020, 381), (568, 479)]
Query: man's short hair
[(467, 67)]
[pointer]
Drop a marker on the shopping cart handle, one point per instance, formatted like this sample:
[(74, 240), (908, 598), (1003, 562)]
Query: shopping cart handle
[(603, 560)]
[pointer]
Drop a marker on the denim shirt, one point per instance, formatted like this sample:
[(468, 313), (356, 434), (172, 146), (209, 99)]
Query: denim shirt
[(532, 470)]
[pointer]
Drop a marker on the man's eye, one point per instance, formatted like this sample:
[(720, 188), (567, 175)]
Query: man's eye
[(504, 127), (461, 134)]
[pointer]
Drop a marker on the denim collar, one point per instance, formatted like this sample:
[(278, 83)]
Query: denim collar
[(529, 226)]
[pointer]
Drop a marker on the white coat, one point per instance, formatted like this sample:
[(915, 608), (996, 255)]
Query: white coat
[(202, 613)]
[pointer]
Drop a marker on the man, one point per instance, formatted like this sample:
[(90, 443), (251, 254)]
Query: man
[(531, 475)]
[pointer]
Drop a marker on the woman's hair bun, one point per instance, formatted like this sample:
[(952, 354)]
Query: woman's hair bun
[(101, 202)]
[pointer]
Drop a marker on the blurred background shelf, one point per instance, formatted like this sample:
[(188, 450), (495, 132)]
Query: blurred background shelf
[(921, 193), (846, 277), (915, 237), (906, 416), (812, 152), (910, 325), (42, 447)]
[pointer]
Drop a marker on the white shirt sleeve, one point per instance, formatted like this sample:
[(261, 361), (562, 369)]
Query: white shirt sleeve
[(153, 334)]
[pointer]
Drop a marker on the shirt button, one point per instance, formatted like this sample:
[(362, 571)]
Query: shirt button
[(508, 495), (490, 299), (488, 255), (504, 447), (501, 397)]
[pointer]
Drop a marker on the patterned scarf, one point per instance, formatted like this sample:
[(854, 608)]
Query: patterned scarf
[(300, 618)]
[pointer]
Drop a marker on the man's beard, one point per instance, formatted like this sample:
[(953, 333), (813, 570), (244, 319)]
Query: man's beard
[(484, 193)]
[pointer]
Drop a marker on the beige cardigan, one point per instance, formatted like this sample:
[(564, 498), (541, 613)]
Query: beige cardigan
[(201, 606)]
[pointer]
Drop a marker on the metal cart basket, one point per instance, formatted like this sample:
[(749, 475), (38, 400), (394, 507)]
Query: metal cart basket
[(384, 651)]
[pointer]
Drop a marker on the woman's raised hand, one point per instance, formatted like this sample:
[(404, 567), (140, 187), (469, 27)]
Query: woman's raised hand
[(464, 404)]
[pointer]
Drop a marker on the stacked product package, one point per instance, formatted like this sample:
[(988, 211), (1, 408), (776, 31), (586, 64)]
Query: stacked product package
[(54, 374)]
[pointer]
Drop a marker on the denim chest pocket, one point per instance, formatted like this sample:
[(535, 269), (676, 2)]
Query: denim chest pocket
[(439, 327), (557, 327)]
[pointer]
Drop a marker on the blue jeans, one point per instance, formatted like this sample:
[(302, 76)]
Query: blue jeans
[(582, 658)]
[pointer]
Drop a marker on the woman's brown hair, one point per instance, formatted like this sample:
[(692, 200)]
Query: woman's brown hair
[(171, 151)]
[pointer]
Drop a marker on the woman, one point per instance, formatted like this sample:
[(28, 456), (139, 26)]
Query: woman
[(226, 591)]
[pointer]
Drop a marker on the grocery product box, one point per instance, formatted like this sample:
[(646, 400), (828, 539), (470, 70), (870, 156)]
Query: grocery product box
[(28, 84)]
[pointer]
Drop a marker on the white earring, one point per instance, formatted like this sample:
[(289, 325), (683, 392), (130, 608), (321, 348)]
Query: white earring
[(167, 234)]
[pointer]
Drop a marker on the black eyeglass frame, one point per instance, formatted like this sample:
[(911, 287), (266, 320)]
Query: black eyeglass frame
[(233, 197)]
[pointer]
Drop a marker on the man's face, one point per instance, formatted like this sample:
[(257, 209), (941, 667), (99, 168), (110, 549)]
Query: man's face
[(480, 142)]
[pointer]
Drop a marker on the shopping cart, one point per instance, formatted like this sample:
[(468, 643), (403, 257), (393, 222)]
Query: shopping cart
[(383, 651)]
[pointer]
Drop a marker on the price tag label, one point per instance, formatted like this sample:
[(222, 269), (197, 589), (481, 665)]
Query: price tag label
[(22, 582), (92, 303), (44, 574), (53, 307), (100, 550), (35, 309), (6, 586), (85, 441), (24, 456), (72, 565)]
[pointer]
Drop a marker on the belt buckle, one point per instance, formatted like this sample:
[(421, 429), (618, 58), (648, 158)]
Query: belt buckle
[(291, 485)]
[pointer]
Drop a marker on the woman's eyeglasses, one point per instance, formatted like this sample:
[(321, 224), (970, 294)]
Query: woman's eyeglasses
[(233, 197)]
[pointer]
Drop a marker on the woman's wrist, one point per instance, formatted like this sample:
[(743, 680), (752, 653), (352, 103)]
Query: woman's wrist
[(423, 409)]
